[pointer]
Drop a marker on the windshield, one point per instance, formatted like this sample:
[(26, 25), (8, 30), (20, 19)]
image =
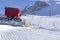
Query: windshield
[(11, 10)]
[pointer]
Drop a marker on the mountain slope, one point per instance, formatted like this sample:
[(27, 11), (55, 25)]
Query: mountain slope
[(49, 11), (38, 5), (43, 8)]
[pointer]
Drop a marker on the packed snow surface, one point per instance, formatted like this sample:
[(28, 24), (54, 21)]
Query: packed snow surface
[(39, 28), (6, 27), (29, 34)]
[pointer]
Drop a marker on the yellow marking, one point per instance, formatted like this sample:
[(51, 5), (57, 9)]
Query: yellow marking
[(25, 24)]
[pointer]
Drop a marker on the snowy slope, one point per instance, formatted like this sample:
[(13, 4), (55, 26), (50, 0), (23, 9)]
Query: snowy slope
[(32, 9), (39, 28), (45, 22), (7, 28), (42, 27), (29, 34), (49, 11), (43, 8)]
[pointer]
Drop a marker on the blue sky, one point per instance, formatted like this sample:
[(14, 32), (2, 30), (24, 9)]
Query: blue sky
[(14, 3)]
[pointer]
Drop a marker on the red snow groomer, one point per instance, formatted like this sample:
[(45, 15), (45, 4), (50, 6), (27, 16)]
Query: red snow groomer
[(12, 12), (12, 17)]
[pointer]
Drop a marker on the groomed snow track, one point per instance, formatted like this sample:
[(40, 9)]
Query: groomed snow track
[(29, 34)]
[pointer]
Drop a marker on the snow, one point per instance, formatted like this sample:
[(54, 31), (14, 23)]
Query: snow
[(49, 11), (44, 24), (39, 28), (38, 5), (45, 9), (6, 27), (29, 34)]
